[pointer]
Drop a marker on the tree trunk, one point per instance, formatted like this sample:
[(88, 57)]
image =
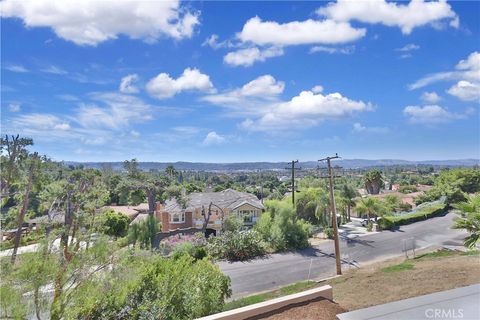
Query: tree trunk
[(151, 194), (21, 216), (349, 212)]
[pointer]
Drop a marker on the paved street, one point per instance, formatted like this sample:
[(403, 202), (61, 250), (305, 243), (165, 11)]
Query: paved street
[(282, 269)]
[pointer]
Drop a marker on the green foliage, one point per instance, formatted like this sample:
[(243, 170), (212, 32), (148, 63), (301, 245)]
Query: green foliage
[(388, 222), (373, 181), (236, 246), (328, 232), (114, 224), (155, 288), (369, 227), (436, 254), (408, 189), (281, 229), (310, 202), (398, 267), (197, 252), (371, 207), (469, 219), (144, 232), (453, 184), (232, 223), (11, 304)]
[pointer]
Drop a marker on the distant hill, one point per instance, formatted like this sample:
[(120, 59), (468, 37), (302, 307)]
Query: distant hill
[(253, 166)]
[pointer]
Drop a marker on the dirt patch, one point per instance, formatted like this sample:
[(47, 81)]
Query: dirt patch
[(313, 310), (371, 286)]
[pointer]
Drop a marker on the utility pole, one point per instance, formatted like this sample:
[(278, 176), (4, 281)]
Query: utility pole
[(333, 209), (293, 179)]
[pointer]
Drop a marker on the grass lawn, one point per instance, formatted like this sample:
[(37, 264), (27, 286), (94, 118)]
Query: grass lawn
[(398, 267)]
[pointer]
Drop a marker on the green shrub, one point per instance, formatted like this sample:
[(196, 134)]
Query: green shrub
[(232, 223), (236, 246), (388, 222), (158, 288), (408, 189), (328, 232), (369, 227), (114, 224), (197, 252), (385, 224), (281, 229)]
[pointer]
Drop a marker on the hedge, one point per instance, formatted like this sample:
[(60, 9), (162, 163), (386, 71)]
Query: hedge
[(388, 222)]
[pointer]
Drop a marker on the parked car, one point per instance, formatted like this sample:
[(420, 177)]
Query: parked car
[(365, 222)]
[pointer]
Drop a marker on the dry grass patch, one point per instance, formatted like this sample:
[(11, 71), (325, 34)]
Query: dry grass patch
[(398, 279)]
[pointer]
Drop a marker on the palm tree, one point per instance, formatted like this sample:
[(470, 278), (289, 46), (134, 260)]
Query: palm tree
[(171, 172), (348, 194), (371, 207), (373, 181), (469, 219)]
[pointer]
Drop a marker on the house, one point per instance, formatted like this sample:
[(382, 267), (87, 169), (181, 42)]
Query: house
[(224, 203), (130, 211)]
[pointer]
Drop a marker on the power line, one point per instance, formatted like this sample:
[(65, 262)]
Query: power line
[(292, 168), (333, 209)]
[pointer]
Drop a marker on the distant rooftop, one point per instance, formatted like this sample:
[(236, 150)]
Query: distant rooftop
[(228, 199)]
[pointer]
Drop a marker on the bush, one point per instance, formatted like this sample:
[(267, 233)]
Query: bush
[(408, 189), (236, 246), (197, 252), (232, 223), (388, 222), (158, 288), (369, 227), (385, 224), (328, 232), (281, 229), (115, 224)]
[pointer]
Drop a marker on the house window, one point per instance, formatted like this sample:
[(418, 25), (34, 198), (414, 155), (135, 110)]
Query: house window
[(177, 217), (247, 215)]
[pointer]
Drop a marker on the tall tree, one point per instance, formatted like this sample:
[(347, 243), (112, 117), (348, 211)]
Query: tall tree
[(348, 193), (371, 207), (373, 181), (32, 164), (15, 149)]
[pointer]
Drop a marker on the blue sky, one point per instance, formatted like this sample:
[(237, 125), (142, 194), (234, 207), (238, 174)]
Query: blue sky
[(254, 81)]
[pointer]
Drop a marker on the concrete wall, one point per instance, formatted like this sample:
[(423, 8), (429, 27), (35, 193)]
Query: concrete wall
[(253, 310)]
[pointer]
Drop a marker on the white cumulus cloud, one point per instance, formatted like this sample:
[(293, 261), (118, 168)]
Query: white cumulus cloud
[(430, 97), (466, 91), (305, 110), (298, 32), (90, 22), (415, 14), (163, 86), (247, 57), (127, 84), (431, 114), (250, 97), (213, 138)]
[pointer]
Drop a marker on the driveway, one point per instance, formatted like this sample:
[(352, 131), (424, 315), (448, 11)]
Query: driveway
[(318, 262)]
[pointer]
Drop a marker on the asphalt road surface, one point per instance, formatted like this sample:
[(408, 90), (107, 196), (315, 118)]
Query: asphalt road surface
[(318, 262)]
